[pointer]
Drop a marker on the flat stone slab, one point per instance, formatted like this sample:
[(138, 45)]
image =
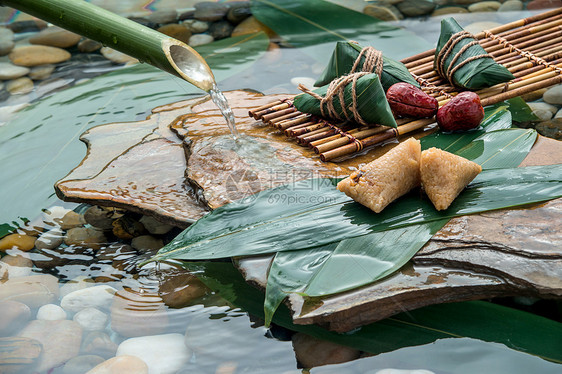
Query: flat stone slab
[(501, 253)]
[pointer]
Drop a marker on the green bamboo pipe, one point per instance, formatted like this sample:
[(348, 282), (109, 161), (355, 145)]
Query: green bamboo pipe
[(124, 35)]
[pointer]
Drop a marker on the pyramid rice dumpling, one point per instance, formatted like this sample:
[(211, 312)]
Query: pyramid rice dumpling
[(460, 57), (444, 175), (343, 60), (380, 182), (370, 106)]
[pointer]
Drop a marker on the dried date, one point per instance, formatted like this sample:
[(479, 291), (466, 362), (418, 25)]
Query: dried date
[(463, 112), (407, 100)]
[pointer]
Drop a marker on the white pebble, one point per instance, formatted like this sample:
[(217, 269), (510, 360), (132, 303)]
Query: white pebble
[(200, 39), (97, 296), (51, 312), (91, 319), (306, 81)]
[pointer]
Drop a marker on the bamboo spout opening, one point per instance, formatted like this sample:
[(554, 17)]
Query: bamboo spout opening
[(188, 64)]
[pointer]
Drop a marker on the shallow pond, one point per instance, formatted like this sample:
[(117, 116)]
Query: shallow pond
[(161, 313)]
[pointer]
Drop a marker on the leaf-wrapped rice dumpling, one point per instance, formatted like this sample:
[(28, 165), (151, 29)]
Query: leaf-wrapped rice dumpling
[(461, 60), (343, 60), (364, 100)]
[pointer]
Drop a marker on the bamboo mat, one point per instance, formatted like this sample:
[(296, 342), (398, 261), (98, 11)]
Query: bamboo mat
[(530, 48)]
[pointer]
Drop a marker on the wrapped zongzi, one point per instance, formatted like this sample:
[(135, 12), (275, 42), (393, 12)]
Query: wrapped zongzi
[(461, 60), (363, 97), (344, 59)]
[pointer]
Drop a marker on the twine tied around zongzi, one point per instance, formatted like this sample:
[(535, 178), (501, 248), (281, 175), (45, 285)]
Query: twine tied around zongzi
[(446, 51), (373, 61)]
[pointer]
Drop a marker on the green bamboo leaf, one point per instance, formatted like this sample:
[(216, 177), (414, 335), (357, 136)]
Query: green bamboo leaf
[(306, 23), (481, 320), (36, 164), (269, 226)]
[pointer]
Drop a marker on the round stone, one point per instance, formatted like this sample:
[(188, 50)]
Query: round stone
[(88, 45), (127, 227), (238, 11), (210, 11), (200, 39), (178, 290), (11, 71), (179, 32), (551, 129), (19, 355), (85, 237), (449, 10), (20, 86), (99, 297), (220, 30), (50, 239), (312, 352), (55, 37), (17, 241), (34, 55), (117, 57), (196, 26), (6, 41), (78, 283), (71, 220), (41, 72), (121, 364), (51, 312), (251, 25), (151, 349), (511, 6), (163, 16), (416, 8), (15, 265), (81, 364), (383, 12), (153, 226), (138, 313), (33, 291), (14, 316), (543, 111), (91, 319), (553, 95), (544, 4), (98, 343), (99, 217), (28, 26), (484, 6)]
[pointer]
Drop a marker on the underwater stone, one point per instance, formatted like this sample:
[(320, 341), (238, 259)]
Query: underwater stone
[(97, 296), (176, 31), (200, 39), (484, 6), (34, 290), (415, 8), (91, 319), (88, 45), (15, 265), (41, 72), (210, 11), (17, 241), (50, 239), (121, 364), (71, 220), (81, 364), (34, 55), (14, 316), (18, 355), (196, 26), (99, 217), (117, 57), (78, 283), (553, 95), (51, 312), (312, 352), (20, 86), (60, 341), (151, 349), (153, 226), (511, 5), (251, 25), (98, 343), (221, 29), (543, 111), (11, 71), (383, 12), (27, 26), (6, 41), (178, 290), (55, 37), (138, 313), (551, 129), (85, 237)]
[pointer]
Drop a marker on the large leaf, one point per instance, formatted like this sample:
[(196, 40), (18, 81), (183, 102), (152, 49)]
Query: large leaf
[(363, 262), (269, 226), (305, 23), (41, 144), (517, 330)]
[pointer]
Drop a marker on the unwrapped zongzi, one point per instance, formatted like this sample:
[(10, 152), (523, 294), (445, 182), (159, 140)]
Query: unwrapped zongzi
[(461, 60), (343, 60)]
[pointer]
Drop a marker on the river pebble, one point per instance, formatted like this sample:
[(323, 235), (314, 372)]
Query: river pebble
[(34, 290), (41, 72), (384, 12), (117, 57), (238, 11), (178, 290), (15, 315), (544, 4), (98, 343), (120, 365), (55, 37), (97, 296), (16, 264), (19, 355), (147, 242), (60, 340), (551, 129), (6, 41), (163, 17), (75, 284), (553, 95), (485, 6), (34, 55), (196, 26), (511, 5), (20, 86), (11, 71), (151, 349), (221, 29), (91, 319), (50, 239), (85, 236), (210, 11), (543, 111), (449, 10), (415, 8), (51, 312), (88, 45), (71, 220), (81, 364), (17, 241), (251, 25), (200, 39), (99, 217), (179, 32), (153, 226)]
